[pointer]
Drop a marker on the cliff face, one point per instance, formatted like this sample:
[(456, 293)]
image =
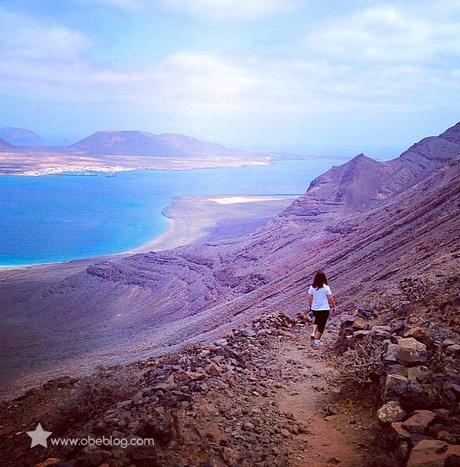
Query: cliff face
[(368, 223)]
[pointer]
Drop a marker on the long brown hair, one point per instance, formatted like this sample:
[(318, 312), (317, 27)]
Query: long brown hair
[(319, 280)]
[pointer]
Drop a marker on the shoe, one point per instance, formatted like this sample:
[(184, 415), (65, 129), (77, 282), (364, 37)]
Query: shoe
[(317, 342)]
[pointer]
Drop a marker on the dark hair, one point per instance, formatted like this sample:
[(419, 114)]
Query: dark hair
[(319, 280)]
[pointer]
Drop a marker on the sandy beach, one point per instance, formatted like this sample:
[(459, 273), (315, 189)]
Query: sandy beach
[(200, 218), (203, 218)]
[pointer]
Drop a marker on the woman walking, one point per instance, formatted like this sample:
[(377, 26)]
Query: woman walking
[(320, 302)]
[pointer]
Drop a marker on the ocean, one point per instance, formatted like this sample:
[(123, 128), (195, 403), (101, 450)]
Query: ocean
[(62, 217)]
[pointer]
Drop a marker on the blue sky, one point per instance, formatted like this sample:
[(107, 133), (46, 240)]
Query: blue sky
[(329, 77)]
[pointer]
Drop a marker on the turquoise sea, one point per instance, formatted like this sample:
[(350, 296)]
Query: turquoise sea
[(62, 217)]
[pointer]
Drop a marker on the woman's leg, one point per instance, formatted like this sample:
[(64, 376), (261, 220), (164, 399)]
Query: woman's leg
[(317, 316), (314, 332), (322, 319)]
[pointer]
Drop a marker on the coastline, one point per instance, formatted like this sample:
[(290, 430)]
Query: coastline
[(194, 218), (43, 163)]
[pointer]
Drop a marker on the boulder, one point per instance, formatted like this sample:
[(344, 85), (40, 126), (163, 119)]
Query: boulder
[(432, 453), (395, 386), (397, 369), (381, 332), (400, 431), (407, 351), (391, 353), (416, 372), (391, 412), (421, 335), (418, 422)]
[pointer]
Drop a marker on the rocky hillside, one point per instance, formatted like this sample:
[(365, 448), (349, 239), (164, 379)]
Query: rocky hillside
[(404, 348), (129, 307), (263, 395), (258, 396), (364, 182)]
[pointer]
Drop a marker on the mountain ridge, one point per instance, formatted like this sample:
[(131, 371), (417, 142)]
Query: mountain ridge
[(364, 182)]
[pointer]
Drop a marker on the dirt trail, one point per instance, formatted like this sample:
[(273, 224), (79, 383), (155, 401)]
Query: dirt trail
[(261, 397), (308, 394)]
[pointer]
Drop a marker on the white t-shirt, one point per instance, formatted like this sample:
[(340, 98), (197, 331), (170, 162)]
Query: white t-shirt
[(320, 297)]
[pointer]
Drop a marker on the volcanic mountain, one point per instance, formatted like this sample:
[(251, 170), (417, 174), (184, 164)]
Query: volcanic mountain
[(368, 223), (20, 136), (139, 143)]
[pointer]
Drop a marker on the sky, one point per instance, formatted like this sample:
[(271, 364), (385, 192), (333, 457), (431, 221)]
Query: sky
[(314, 77)]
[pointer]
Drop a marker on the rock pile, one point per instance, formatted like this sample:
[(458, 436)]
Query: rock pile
[(419, 385), (210, 405)]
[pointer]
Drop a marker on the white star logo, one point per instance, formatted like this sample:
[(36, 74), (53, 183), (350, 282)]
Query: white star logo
[(39, 436)]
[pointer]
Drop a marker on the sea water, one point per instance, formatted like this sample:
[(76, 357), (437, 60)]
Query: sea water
[(62, 217)]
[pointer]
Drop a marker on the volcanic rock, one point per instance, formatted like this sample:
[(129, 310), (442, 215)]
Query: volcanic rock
[(431, 453), (418, 422), (391, 412)]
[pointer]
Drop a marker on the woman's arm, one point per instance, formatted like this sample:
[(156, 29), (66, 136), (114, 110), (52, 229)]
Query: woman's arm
[(331, 300), (309, 301)]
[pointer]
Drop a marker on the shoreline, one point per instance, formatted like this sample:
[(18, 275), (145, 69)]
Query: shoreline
[(191, 218), (28, 165)]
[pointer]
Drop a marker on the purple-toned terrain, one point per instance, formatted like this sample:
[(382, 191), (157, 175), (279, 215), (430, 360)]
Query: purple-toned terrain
[(114, 151), (368, 223), (142, 143)]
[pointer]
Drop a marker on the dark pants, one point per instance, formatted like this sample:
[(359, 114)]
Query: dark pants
[(321, 317)]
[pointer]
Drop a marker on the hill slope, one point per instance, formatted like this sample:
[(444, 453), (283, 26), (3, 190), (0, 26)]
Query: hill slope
[(141, 305), (19, 136), (147, 144)]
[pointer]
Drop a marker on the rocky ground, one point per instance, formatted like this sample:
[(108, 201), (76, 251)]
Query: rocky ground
[(262, 395), (408, 352), (383, 390)]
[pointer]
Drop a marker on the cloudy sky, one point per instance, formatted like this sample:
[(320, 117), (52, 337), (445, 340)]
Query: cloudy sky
[(325, 77)]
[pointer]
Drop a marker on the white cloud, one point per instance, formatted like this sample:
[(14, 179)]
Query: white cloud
[(50, 63), (231, 10), (386, 34), (22, 37)]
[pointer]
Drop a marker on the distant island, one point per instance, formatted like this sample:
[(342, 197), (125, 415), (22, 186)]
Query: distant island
[(118, 151)]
